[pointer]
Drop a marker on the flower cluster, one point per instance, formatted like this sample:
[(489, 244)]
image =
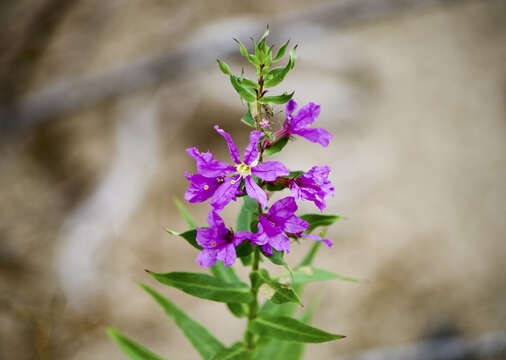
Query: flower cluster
[(222, 183)]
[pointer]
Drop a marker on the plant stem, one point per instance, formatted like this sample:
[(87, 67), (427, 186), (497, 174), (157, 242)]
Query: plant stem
[(253, 308)]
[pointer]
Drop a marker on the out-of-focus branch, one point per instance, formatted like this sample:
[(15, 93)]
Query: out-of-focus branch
[(488, 346), (75, 94)]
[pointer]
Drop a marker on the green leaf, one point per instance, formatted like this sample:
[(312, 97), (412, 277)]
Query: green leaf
[(223, 67), (228, 274), (277, 75), (264, 36), (248, 118), (235, 352), (294, 174), (283, 293), (202, 340), (186, 215), (251, 58), (276, 257), (307, 274), (276, 147), (245, 92), (131, 348), (279, 99), (247, 214), (248, 83), (281, 52), (316, 220), (289, 329), (190, 236), (282, 350), (205, 286)]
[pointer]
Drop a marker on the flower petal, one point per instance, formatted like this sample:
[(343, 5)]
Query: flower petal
[(197, 191), (282, 209), (317, 238), (206, 237), (225, 193), (207, 257), (208, 166), (316, 135), (240, 236), (227, 254), (216, 223), (251, 152), (270, 170), (280, 242), (291, 106), (255, 191), (305, 116), (295, 225), (234, 153)]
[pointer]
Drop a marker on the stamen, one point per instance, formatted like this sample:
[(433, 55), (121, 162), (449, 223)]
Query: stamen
[(232, 182), (213, 244), (244, 169), (206, 187)]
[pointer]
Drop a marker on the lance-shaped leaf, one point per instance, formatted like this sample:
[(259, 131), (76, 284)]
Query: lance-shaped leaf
[(202, 340), (190, 236), (277, 75), (289, 329), (281, 52), (308, 274), (223, 67), (236, 352), (245, 92), (251, 58), (186, 215), (276, 257), (277, 147), (282, 350), (228, 274), (205, 286), (279, 99), (248, 83), (248, 119), (316, 220), (131, 348), (283, 293)]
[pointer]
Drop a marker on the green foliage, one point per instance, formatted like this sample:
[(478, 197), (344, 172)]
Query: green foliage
[(307, 274), (202, 340), (205, 286), (281, 52), (225, 69), (276, 147), (283, 293), (245, 92), (131, 348), (236, 352), (186, 215), (277, 75), (190, 236), (228, 274), (279, 99), (317, 220), (248, 118), (289, 329)]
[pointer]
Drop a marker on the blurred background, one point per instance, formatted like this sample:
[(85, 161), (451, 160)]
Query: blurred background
[(100, 99)]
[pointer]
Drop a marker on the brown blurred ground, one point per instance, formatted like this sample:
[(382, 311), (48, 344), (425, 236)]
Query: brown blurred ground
[(416, 103)]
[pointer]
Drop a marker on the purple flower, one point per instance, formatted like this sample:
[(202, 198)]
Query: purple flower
[(298, 124), (218, 242), (313, 185), (212, 179)]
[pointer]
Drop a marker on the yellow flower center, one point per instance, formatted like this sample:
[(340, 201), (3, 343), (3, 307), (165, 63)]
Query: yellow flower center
[(206, 187), (243, 169), (213, 244)]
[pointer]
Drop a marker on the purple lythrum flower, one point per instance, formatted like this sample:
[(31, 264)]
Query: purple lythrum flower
[(280, 222), (298, 125), (313, 185), (221, 181), (218, 242)]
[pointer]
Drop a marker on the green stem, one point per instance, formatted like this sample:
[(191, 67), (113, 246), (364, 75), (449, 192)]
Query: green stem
[(253, 307)]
